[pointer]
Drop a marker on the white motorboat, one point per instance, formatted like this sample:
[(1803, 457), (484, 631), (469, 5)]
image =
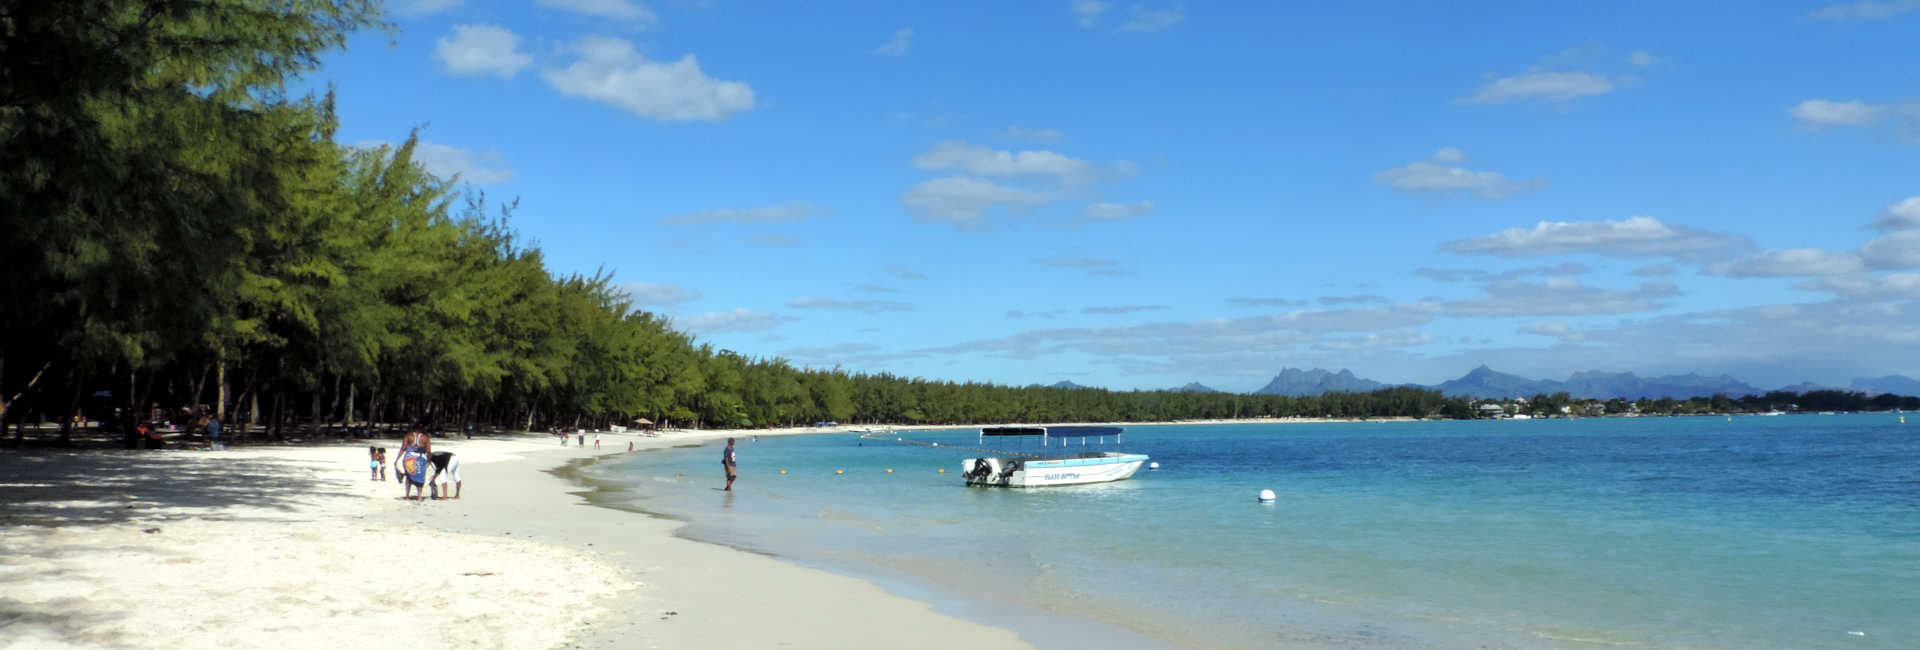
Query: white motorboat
[(1025, 470)]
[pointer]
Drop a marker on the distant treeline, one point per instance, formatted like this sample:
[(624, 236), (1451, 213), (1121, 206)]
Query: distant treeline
[(178, 231)]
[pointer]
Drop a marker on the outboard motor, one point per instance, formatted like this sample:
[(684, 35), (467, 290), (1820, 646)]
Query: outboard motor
[(981, 470)]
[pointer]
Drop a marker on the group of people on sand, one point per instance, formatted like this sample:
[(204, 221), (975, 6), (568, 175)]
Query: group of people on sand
[(410, 467)]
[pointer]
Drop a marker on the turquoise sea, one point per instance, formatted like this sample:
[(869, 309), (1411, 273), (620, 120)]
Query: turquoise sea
[(1799, 531)]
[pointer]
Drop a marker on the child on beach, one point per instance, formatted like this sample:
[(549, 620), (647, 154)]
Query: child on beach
[(596, 441)]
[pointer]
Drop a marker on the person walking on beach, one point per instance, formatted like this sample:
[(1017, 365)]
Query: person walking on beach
[(727, 460), (213, 431), (596, 440)]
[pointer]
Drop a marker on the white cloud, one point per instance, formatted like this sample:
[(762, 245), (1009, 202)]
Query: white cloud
[(626, 10), (1559, 297), (1898, 250), (449, 162), (422, 7), (1369, 299), (1541, 86), (869, 306), (1790, 263), (775, 240), (1868, 10), (738, 320), (1632, 237), (898, 45), (610, 70), (1642, 59), (1562, 270), (963, 201), (1147, 21), (655, 293), (474, 50), (1116, 310), (1897, 286), (983, 161), (786, 213), (1900, 216), (1112, 211), (1554, 329), (1821, 113), (1267, 302), (1087, 12), (1436, 177), (1210, 343), (903, 274), (1030, 135)]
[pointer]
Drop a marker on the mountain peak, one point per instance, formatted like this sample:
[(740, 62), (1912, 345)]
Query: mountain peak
[(1297, 382)]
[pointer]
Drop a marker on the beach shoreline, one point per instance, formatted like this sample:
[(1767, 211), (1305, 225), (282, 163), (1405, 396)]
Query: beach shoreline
[(522, 560), (597, 576)]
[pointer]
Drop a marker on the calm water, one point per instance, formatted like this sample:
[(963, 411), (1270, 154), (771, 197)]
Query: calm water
[(1761, 532)]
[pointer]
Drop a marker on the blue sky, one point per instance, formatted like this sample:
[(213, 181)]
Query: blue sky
[(1139, 195)]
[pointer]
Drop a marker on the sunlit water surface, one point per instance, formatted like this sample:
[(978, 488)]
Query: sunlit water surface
[(1797, 531)]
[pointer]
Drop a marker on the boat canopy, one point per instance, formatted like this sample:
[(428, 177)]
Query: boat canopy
[(1051, 432)]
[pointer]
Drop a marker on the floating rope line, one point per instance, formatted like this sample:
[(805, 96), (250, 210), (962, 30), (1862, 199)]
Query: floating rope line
[(889, 437)]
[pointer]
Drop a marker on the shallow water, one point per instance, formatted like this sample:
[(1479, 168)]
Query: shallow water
[(1759, 532)]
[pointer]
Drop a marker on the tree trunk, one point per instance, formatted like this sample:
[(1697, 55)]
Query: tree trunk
[(220, 383), (6, 401), (352, 388), (73, 408), (199, 385), (333, 410), (279, 411)]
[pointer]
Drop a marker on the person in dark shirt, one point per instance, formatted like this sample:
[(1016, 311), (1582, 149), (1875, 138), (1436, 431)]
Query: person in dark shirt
[(727, 460)]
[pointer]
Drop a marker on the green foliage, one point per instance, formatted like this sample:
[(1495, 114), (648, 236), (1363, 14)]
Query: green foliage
[(170, 214)]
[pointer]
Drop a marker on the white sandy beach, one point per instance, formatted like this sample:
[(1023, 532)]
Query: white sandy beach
[(296, 547)]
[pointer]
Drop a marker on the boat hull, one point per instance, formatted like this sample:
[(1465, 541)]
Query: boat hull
[(1082, 469)]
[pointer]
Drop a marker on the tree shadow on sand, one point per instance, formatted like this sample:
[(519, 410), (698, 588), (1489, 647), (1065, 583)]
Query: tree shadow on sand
[(79, 488)]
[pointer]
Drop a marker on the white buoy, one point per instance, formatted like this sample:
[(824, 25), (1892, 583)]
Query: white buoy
[(936, 444), (1267, 496), (1153, 465)]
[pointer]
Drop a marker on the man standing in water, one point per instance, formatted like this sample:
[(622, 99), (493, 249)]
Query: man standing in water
[(727, 461)]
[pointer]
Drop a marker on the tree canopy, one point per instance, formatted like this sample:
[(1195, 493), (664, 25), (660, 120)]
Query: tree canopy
[(180, 231)]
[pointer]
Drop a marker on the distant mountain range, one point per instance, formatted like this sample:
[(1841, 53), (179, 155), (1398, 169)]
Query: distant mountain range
[(1297, 382), (1895, 384), (1484, 382)]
